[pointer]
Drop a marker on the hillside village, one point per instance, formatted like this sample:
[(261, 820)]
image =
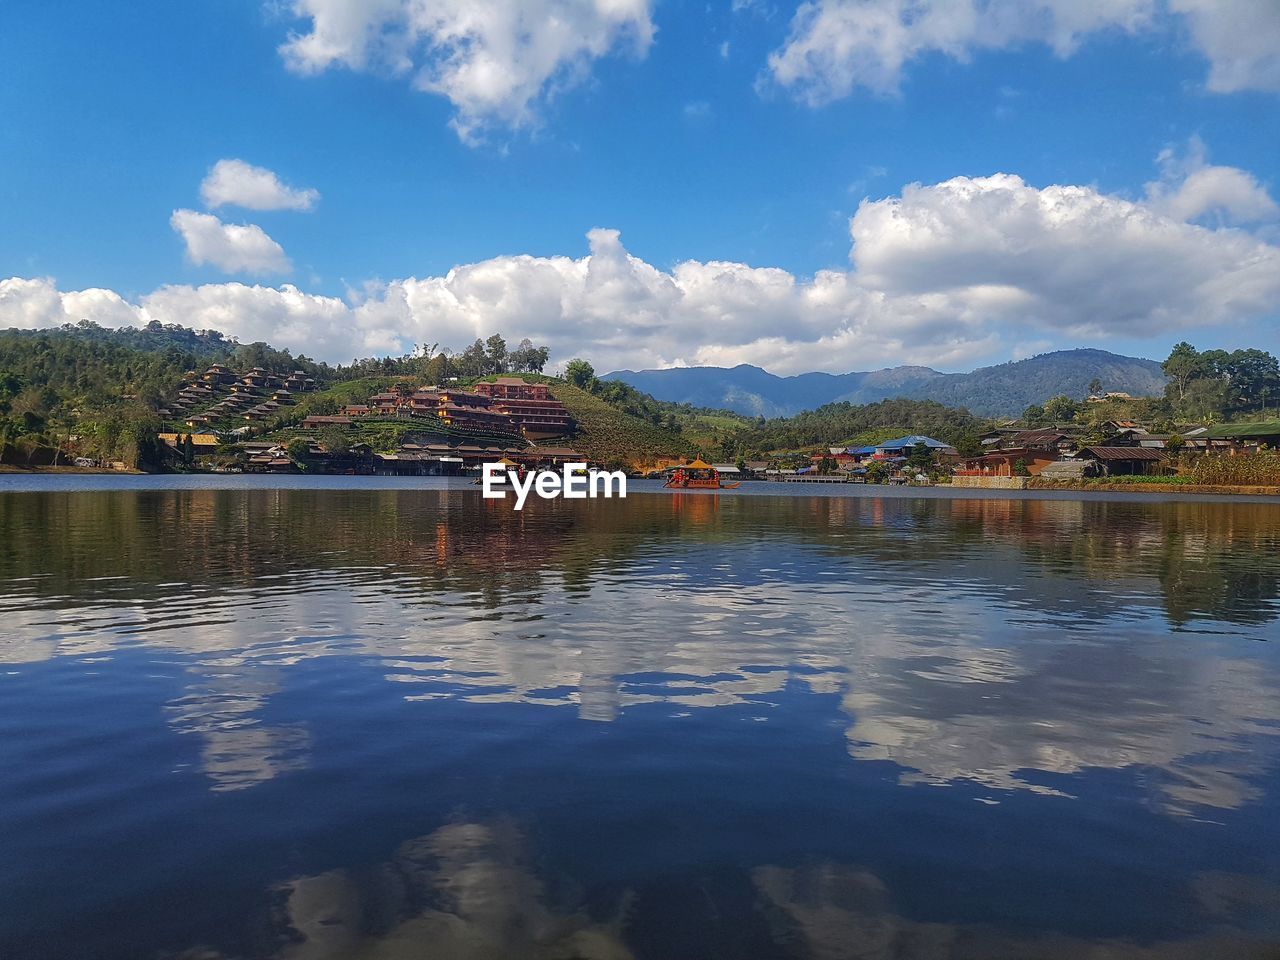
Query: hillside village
[(434, 430), (121, 400)]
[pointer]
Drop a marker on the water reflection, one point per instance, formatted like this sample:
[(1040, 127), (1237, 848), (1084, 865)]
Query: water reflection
[(836, 912), (1112, 659), (466, 892)]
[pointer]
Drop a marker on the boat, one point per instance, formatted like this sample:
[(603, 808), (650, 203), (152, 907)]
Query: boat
[(503, 478), (698, 475)]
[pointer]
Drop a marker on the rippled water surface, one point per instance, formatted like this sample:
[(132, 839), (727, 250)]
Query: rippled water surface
[(406, 723)]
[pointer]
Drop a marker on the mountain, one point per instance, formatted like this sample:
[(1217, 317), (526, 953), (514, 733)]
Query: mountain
[(1003, 390)]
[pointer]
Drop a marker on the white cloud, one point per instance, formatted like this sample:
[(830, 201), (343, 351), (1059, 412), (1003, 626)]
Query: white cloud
[(1241, 38), (1191, 189), (947, 274), (1063, 258), (493, 59), (239, 184), (836, 46), (37, 303), (232, 248)]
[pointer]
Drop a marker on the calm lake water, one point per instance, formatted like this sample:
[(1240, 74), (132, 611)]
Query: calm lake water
[(279, 722)]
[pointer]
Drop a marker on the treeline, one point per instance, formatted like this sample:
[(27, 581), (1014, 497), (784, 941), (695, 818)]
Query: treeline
[(1218, 384), (837, 423), (438, 365), (86, 390)]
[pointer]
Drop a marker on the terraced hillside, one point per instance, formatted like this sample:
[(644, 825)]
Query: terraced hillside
[(608, 435)]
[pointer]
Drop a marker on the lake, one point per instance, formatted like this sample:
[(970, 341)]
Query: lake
[(309, 720)]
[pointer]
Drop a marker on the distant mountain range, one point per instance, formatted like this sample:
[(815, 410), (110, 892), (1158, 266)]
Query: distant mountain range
[(1003, 390)]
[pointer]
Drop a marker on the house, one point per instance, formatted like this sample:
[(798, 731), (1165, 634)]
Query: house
[(1109, 395), (1048, 439), (201, 441), (1124, 461), (357, 410), (218, 374), (314, 421), (1245, 436), (1008, 462), (903, 446)]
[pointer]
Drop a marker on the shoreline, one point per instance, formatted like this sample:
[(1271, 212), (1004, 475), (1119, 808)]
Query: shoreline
[(1217, 490), (87, 480)]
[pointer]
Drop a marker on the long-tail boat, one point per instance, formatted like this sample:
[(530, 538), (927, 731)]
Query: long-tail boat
[(698, 476)]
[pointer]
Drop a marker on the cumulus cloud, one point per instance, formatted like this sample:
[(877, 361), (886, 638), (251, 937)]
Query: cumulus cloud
[(836, 46), (493, 59), (1190, 188), (239, 184), (946, 274), (232, 248), (1241, 38)]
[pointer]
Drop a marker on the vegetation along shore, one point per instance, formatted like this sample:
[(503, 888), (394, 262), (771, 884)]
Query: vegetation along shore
[(164, 398)]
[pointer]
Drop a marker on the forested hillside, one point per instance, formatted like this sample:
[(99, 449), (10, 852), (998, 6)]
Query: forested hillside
[(1003, 390)]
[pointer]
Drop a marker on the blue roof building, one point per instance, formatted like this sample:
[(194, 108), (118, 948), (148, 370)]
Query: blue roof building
[(904, 445)]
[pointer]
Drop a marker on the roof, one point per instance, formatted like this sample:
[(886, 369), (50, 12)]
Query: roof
[(319, 419), (1244, 431), (913, 440), (698, 464), (1123, 453), (197, 439), (1028, 437)]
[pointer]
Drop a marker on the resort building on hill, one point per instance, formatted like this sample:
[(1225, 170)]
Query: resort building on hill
[(206, 441), (310, 423), (529, 406), (509, 405), (218, 374)]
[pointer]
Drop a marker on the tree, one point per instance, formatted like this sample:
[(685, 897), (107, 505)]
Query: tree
[(1033, 416), (334, 440), (921, 457), (580, 373), (1060, 409), (495, 354), (473, 360), (188, 448), (1183, 365), (299, 449), (1095, 387), (527, 357)]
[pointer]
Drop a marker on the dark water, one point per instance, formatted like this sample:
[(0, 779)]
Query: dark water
[(393, 723)]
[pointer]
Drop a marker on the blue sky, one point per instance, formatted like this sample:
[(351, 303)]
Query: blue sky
[(729, 145)]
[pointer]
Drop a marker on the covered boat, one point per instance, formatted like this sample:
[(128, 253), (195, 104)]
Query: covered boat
[(698, 475)]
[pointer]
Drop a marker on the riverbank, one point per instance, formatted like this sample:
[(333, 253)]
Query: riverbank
[(48, 470), (67, 482), (1037, 483)]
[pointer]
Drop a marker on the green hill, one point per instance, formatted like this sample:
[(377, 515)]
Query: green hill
[(607, 434)]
